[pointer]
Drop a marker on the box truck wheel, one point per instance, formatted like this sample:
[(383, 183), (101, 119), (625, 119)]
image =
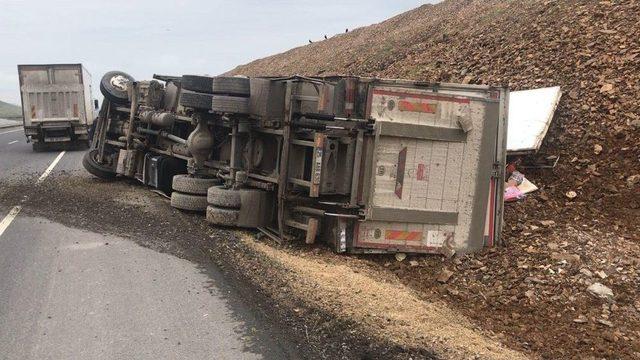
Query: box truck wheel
[(114, 84), (219, 103), (191, 185), (221, 85), (230, 104), (95, 168), (223, 217), (188, 201), (222, 197)]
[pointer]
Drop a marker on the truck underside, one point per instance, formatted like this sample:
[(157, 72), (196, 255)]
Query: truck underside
[(365, 165)]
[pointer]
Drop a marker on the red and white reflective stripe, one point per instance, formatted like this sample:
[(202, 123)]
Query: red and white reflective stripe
[(403, 235), (411, 106), (405, 95)]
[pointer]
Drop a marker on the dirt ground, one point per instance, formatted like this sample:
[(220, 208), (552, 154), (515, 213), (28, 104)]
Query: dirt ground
[(529, 299)]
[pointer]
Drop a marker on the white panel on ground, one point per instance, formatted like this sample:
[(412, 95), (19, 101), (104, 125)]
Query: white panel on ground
[(530, 114)]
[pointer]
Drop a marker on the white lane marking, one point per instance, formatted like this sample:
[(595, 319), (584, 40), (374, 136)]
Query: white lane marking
[(4, 224), (10, 131), (48, 171), (12, 142)]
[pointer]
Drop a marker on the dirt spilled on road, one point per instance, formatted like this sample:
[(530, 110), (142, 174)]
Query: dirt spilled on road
[(329, 304), (382, 305)]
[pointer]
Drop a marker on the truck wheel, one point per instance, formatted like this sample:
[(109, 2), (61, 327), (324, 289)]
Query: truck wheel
[(219, 103), (188, 201), (221, 85), (192, 185), (95, 168), (114, 84), (224, 198), (230, 104), (195, 100), (223, 217)]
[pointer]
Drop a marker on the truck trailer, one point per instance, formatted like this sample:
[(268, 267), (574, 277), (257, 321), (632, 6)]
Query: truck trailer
[(57, 104), (366, 165)]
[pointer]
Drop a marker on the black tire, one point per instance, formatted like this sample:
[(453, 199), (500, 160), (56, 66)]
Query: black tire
[(195, 100), (222, 217), (113, 86), (191, 185), (188, 202), (224, 198), (230, 104), (218, 103), (94, 168), (197, 83), (220, 85)]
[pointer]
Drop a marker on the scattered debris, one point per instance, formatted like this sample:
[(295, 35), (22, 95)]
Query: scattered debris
[(444, 276), (607, 88), (633, 180), (605, 322), (517, 186), (512, 193), (601, 274), (597, 149), (581, 319), (600, 290), (569, 258), (527, 187), (400, 256), (586, 272)]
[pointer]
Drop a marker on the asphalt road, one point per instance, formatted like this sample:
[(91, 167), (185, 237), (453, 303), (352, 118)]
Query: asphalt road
[(68, 293)]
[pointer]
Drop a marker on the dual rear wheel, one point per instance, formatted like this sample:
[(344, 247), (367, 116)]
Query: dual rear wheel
[(190, 193), (223, 206), (218, 94)]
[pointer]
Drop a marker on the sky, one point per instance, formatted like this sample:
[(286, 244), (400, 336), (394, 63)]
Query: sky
[(143, 37)]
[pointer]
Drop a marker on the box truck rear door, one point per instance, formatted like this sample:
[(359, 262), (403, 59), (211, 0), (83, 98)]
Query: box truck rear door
[(434, 166)]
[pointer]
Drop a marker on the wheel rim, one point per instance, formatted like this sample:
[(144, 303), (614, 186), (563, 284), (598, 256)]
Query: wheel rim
[(119, 82)]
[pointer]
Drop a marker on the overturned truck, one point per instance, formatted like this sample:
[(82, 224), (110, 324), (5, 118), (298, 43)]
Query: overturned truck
[(366, 165)]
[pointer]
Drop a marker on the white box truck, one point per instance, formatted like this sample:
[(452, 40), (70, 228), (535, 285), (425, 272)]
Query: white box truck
[(366, 165), (57, 104)]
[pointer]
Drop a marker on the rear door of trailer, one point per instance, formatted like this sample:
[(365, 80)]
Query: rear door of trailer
[(56, 96), (434, 168)]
